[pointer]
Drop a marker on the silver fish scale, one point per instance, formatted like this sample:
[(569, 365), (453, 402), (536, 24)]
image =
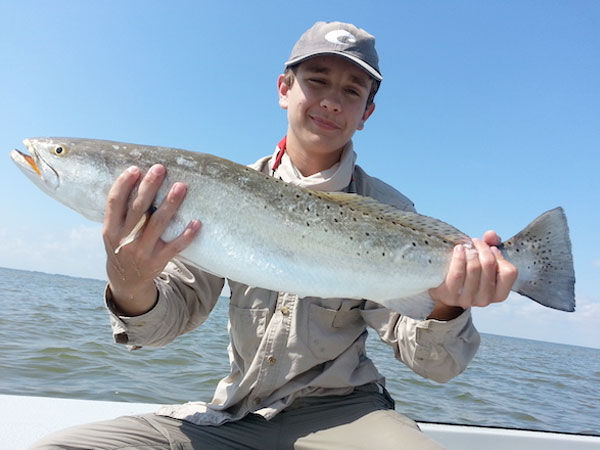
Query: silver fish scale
[(263, 232)]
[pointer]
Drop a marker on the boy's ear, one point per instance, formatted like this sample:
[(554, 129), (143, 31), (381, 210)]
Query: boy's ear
[(283, 89), (365, 116)]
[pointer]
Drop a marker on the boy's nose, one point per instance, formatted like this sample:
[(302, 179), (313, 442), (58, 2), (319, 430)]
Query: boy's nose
[(331, 104)]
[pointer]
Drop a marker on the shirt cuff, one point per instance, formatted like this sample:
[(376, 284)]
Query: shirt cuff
[(439, 349), (133, 330)]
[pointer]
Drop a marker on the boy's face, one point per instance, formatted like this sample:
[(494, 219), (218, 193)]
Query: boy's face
[(326, 103)]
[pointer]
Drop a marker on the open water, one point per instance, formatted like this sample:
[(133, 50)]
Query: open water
[(55, 341)]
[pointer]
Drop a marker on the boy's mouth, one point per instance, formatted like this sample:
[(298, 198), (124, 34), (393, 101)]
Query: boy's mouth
[(323, 123)]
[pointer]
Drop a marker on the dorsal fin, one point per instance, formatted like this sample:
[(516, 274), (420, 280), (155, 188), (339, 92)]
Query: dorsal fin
[(395, 216)]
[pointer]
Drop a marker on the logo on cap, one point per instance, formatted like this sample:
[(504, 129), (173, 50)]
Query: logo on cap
[(340, 37)]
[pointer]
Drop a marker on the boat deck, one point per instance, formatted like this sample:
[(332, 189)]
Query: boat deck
[(29, 418)]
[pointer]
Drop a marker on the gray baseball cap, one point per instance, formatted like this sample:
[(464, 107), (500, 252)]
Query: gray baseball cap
[(338, 38)]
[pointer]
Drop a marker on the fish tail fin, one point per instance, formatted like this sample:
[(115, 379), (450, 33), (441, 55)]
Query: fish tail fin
[(542, 254)]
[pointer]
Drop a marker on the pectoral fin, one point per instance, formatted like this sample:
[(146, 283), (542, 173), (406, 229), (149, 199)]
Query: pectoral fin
[(417, 306), (134, 234)]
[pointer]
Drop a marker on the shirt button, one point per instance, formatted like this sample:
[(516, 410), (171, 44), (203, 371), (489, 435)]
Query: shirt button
[(271, 360), (256, 401), (285, 310)]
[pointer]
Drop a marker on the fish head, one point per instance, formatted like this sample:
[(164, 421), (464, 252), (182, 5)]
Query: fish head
[(69, 171)]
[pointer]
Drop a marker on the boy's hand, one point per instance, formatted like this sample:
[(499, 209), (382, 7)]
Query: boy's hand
[(131, 272), (476, 277)]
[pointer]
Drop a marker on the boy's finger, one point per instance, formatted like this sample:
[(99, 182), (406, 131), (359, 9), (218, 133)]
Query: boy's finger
[(145, 195), (177, 245), (472, 278), (116, 202), (487, 280), (506, 276), (456, 274), (164, 213), (490, 237)]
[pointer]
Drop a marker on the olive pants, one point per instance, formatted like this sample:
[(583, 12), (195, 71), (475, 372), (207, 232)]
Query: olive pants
[(361, 420)]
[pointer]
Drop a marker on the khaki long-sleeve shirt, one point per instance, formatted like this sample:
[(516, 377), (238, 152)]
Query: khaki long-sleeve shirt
[(283, 347)]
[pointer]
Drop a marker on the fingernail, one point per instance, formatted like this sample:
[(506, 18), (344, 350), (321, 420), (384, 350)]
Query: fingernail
[(133, 169), (157, 169), (179, 188), (194, 225)]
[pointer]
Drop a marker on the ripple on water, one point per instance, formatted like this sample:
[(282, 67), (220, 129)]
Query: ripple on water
[(470, 398), (521, 416), (62, 322)]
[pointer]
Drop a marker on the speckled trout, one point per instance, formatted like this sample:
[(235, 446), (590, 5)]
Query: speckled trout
[(266, 233)]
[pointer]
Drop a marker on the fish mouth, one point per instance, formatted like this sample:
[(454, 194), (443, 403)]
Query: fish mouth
[(35, 167), (28, 159)]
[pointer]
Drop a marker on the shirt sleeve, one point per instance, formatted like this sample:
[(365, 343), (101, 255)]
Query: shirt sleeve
[(186, 296), (435, 349)]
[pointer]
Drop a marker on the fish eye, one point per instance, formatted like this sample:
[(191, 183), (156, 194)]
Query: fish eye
[(60, 150)]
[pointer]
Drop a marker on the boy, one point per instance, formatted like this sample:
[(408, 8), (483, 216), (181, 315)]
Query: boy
[(300, 377)]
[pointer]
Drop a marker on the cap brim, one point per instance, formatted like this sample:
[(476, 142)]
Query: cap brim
[(363, 65)]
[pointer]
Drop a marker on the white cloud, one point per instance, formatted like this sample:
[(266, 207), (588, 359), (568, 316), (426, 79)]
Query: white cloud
[(521, 317), (78, 251)]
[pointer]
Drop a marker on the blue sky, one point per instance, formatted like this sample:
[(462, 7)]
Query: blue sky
[(488, 115)]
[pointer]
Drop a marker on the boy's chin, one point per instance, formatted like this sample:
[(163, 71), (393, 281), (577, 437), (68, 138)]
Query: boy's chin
[(326, 146)]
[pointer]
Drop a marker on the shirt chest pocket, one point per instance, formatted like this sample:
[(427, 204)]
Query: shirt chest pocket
[(331, 332), (247, 328)]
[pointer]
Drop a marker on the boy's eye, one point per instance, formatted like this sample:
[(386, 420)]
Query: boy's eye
[(317, 80)]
